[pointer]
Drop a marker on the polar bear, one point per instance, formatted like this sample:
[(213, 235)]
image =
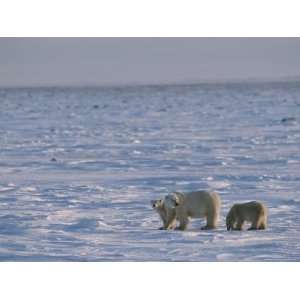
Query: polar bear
[(253, 212), (168, 216), (195, 205)]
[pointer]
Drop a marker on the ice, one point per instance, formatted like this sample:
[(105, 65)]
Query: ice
[(79, 167)]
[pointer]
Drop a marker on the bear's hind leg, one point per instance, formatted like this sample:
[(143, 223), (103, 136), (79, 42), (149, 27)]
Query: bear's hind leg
[(262, 224), (211, 221), (255, 224), (252, 228), (206, 227)]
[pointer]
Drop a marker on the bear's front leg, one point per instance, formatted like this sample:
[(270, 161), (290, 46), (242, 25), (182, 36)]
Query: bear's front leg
[(165, 227), (171, 226), (182, 217), (252, 228), (171, 220), (182, 225), (180, 228), (240, 223)]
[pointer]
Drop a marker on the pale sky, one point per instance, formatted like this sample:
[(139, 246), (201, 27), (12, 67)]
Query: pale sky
[(113, 61)]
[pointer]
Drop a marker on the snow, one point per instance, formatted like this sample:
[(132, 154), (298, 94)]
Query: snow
[(79, 167)]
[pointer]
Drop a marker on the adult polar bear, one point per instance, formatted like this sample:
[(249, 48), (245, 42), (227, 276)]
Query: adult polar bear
[(197, 204)]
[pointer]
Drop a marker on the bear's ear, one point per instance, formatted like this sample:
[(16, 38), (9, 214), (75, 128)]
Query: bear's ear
[(177, 199)]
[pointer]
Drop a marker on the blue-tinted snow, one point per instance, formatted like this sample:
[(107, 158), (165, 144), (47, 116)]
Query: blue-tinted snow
[(79, 167)]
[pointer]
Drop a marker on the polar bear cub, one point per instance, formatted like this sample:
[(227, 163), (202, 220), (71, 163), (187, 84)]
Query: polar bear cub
[(253, 212), (168, 216), (197, 204)]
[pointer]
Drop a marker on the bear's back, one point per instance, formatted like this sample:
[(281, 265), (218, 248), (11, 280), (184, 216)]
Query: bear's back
[(199, 202)]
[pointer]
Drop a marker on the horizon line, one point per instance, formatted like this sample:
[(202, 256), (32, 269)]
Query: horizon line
[(233, 81)]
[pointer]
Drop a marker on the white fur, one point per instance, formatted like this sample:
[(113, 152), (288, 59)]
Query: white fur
[(199, 204), (170, 201)]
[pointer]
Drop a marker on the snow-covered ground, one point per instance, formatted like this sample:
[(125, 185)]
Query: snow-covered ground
[(79, 167)]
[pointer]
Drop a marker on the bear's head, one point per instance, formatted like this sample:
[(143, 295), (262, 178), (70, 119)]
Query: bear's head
[(157, 204), (230, 219), (228, 223), (172, 200)]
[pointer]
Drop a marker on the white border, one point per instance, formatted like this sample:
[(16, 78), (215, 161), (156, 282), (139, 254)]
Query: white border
[(160, 18), (151, 281)]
